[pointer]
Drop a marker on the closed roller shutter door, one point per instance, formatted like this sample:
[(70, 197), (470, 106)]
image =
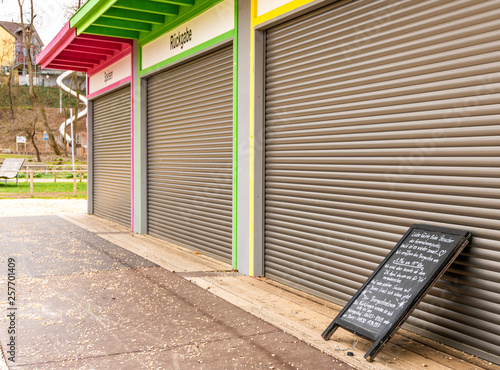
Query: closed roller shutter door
[(190, 156), (112, 157), (380, 114)]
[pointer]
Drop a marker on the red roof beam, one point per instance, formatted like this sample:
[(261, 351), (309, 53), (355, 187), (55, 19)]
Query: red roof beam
[(88, 50), (81, 63), (107, 39), (97, 45), (68, 67), (71, 55), (72, 62)]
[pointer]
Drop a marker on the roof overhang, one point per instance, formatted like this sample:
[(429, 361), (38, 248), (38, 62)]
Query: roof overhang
[(102, 29), (82, 53), (142, 20)]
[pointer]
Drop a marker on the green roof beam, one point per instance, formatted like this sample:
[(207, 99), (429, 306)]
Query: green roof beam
[(178, 2), (122, 24), (148, 6), (113, 32), (133, 15), (185, 14), (88, 13)]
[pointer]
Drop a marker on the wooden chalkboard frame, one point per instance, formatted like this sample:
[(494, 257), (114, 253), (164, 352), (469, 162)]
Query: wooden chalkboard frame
[(381, 339)]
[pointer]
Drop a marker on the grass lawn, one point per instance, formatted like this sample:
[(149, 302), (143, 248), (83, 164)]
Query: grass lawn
[(67, 162), (15, 156), (42, 189), (50, 175)]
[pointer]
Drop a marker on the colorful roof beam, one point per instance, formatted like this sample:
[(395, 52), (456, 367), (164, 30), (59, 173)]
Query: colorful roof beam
[(148, 6), (81, 57), (112, 32), (123, 24), (70, 67), (89, 50), (131, 15), (179, 2), (83, 41)]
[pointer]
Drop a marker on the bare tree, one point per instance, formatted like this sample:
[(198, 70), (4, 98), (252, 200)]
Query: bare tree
[(11, 98), (27, 28), (26, 124), (71, 9)]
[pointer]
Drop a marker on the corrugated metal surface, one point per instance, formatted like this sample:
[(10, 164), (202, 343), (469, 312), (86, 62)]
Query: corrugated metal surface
[(380, 114), (112, 174), (190, 128)]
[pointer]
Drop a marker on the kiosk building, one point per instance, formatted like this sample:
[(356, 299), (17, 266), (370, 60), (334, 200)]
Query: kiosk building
[(299, 139)]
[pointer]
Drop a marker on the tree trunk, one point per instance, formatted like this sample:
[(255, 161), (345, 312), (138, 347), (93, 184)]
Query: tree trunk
[(11, 98), (41, 109), (32, 137)]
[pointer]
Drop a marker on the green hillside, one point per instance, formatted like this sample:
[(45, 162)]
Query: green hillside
[(49, 96)]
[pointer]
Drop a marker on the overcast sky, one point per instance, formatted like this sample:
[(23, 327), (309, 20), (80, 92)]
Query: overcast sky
[(50, 17)]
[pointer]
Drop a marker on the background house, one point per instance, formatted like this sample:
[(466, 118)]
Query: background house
[(13, 53)]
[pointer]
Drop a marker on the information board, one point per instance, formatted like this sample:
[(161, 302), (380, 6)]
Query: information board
[(399, 283)]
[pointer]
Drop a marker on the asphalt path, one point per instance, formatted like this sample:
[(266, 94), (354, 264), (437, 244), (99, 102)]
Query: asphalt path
[(72, 300)]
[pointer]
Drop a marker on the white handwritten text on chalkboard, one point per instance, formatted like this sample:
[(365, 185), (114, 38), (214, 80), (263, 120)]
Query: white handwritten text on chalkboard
[(400, 278)]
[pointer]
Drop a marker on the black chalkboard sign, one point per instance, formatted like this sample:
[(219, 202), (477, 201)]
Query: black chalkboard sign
[(399, 283)]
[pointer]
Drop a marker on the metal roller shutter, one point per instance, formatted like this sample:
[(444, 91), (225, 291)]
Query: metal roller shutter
[(112, 157), (190, 154), (380, 114)]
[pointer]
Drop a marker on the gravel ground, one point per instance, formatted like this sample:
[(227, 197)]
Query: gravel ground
[(32, 207)]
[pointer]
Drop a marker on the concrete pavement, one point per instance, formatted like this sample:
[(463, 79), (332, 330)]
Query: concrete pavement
[(82, 302), (294, 312)]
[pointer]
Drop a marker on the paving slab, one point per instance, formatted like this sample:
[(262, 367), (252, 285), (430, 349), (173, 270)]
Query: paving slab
[(49, 245), (83, 302), (237, 353), (298, 313)]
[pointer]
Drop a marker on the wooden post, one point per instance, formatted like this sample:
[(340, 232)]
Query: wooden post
[(55, 176), (31, 184), (74, 183), (81, 176)]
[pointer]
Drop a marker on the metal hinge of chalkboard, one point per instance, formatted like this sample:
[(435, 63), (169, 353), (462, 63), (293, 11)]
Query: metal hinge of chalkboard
[(400, 282)]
